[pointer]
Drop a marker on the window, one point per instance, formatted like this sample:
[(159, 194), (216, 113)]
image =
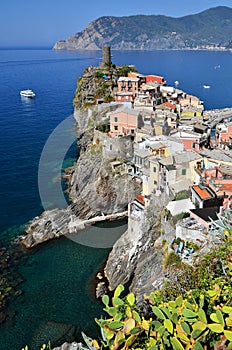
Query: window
[(154, 169), (132, 131), (115, 119), (115, 127), (183, 171)]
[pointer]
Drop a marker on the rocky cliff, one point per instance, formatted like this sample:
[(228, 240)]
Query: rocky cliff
[(212, 28), (137, 256), (97, 194)]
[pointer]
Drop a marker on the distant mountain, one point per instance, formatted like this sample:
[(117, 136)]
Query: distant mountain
[(208, 29)]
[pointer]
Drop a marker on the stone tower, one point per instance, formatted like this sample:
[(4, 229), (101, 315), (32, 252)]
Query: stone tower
[(106, 56)]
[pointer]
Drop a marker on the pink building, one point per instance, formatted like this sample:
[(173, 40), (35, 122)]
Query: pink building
[(219, 179), (190, 139), (124, 122), (224, 132), (204, 216), (190, 100), (222, 187), (127, 89)]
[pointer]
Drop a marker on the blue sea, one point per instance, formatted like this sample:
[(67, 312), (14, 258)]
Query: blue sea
[(58, 277)]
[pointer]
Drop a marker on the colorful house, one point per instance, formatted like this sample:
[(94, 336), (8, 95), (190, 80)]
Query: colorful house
[(177, 172), (124, 122), (155, 79), (223, 134), (203, 196), (191, 101), (167, 106), (128, 88), (190, 139), (204, 217)]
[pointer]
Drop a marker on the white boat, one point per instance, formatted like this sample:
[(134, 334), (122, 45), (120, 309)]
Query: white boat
[(177, 82), (206, 86), (27, 93)]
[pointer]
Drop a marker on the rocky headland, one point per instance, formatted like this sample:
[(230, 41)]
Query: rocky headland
[(210, 29), (97, 195), (97, 192)]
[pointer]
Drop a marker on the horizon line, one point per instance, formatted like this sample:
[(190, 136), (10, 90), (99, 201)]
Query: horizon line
[(26, 47)]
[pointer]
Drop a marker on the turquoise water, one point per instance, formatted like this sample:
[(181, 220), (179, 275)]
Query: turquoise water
[(59, 285), (58, 277)]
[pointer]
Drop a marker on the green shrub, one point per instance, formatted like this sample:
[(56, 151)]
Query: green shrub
[(103, 127), (172, 259), (179, 324)]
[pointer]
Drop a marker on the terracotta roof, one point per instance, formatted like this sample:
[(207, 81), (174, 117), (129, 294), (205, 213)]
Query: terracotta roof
[(223, 186), (226, 187), (168, 104), (140, 199), (203, 192)]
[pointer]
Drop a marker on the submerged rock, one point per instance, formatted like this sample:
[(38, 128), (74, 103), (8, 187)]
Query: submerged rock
[(56, 333), (9, 281), (101, 289), (72, 346), (2, 317)]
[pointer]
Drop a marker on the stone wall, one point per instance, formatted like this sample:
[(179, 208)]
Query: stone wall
[(194, 235), (114, 147)]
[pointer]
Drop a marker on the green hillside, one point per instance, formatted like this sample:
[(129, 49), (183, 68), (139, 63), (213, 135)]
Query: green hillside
[(212, 27)]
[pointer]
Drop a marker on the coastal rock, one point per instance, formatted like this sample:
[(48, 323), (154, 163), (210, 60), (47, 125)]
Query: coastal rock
[(72, 346), (101, 289), (149, 274), (134, 259), (82, 117), (97, 195), (95, 189), (56, 223), (56, 333)]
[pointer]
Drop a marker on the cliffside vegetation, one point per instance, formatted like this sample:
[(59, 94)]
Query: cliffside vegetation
[(98, 83), (212, 27)]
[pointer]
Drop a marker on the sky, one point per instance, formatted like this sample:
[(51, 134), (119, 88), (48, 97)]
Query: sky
[(43, 22)]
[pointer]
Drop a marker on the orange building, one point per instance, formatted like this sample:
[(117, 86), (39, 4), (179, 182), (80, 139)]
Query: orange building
[(155, 79)]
